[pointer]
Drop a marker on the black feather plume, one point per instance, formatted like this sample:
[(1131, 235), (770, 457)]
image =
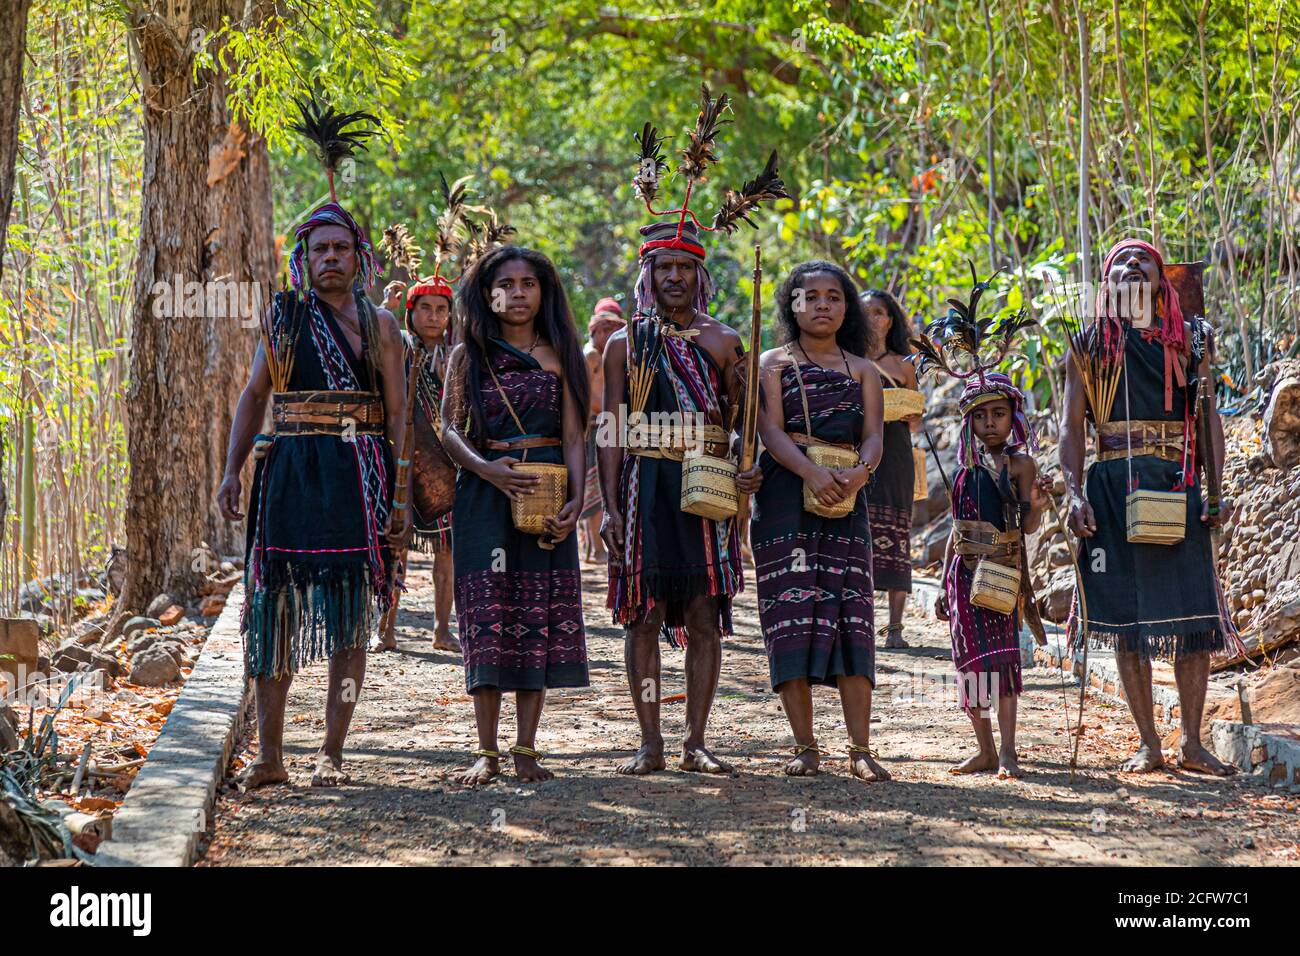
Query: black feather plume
[(650, 164), (698, 154), (737, 206), (328, 130), (961, 329)]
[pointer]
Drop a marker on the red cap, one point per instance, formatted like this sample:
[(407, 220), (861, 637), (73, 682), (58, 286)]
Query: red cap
[(434, 285)]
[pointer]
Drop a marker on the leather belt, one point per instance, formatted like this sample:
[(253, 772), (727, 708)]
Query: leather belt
[(808, 441), (982, 539), (327, 413), (669, 441), (510, 444), (1163, 439)]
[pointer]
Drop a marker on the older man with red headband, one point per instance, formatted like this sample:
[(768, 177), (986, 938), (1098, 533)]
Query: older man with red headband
[(1146, 563), (672, 571)]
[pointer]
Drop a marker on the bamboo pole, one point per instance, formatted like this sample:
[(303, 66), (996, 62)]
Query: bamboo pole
[(749, 435)]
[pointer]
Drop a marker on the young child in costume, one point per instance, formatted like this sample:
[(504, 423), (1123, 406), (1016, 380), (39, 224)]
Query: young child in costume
[(998, 498)]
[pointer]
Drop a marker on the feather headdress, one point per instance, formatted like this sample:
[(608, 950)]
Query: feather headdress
[(448, 240), (985, 342), (697, 156), (328, 130)]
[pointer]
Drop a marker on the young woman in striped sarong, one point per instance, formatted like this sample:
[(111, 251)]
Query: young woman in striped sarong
[(517, 391), (814, 573)]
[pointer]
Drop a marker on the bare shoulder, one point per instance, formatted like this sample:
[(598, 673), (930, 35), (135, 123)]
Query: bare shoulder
[(862, 368), (617, 344), (907, 372), (1023, 464), (720, 340), (720, 330), (388, 324)]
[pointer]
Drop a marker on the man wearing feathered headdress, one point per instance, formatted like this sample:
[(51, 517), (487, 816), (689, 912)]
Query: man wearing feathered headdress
[(1133, 374), (672, 570), (320, 518)]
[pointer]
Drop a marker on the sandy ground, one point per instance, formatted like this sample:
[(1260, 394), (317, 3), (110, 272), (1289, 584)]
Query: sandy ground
[(414, 729)]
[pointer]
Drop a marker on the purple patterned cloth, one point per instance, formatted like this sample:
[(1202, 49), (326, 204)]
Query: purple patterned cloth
[(518, 606), (814, 574)]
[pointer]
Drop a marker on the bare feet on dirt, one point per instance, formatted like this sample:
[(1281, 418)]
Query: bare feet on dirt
[(1199, 760), (976, 764), (894, 638), (1144, 761), (484, 769), (1008, 767), (446, 641), (380, 644), (699, 760), (646, 760), (864, 767), (329, 772), (263, 775), (804, 764), (528, 770)]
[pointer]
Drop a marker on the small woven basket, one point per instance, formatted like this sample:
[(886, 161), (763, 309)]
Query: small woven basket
[(1156, 517), (901, 402), (995, 587), (530, 512), (920, 487), (836, 459), (709, 487)]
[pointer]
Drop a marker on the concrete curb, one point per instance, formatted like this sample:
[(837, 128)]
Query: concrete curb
[(1270, 750), (168, 807), (1103, 675)]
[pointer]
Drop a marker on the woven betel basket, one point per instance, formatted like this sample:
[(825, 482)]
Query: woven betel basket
[(529, 512), (836, 459), (920, 487), (901, 402), (1156, 517), (996, 586), (709, 487)]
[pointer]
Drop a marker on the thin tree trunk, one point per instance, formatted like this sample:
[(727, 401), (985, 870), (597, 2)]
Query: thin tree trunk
[(13, 50), (1085, 147)]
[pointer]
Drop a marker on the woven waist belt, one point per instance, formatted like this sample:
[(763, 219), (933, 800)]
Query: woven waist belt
[(983, 539), (518, 444), (670, 442), (1164, 439), (327, 413), (808, 441)]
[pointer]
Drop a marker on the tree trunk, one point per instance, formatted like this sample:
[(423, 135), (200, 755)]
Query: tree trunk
[(205, 235), (13, 50)]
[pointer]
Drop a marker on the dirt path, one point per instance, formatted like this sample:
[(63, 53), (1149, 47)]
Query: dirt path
[(414, 728)]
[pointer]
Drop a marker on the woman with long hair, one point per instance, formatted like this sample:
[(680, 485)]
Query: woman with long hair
[(889, 500), (814, 572), (517, 391)]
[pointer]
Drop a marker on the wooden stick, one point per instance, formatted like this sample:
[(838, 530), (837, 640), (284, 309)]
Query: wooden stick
[(749, 434), (77, 777)]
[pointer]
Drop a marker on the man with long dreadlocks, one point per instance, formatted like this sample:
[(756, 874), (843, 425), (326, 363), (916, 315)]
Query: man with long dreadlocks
[(1147, 579), (672, 569), (320, 517)]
